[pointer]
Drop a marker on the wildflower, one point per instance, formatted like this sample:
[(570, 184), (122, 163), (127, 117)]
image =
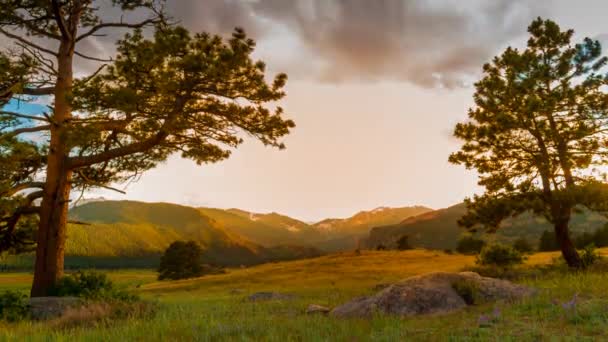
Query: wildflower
[(484, 320), (496, 313)]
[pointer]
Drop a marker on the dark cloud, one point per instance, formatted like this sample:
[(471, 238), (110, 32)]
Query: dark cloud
[(429, 43)]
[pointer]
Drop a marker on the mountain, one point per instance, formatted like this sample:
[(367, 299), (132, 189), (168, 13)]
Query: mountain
[(439, 229), (265, 229), (347, 233), (129, 229), (328, 235), (361, 222)]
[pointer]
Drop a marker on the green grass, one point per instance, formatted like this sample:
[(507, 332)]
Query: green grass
[(207, 309)]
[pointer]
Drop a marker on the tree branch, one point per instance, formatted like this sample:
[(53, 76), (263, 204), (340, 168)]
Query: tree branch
[(23, 186), (26, 130), (23, 116), (38, 91), (142, 146), (60, 20), (81, 55), (123, 25), (27, 42)]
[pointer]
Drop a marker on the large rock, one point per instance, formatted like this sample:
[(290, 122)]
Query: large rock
[(433, 293), (52, 307), (314, 309)]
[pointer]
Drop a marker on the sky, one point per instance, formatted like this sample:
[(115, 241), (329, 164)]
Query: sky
[(375, 89)]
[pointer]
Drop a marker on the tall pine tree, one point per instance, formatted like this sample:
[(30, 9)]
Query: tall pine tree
[(175, 92), (537, 131)]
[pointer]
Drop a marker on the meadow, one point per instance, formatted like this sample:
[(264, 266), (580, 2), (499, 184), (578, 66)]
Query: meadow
[(214, 307)]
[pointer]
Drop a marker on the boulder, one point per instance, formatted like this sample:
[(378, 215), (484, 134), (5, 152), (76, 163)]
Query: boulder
[(317, 309), (52, 307), (433, 293), (263, 296)]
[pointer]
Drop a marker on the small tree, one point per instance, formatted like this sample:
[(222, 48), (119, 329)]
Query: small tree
[(181, 260), (403, 243), (548, 242), (469, 245), (499, 255), (522, 245), (538, 127)]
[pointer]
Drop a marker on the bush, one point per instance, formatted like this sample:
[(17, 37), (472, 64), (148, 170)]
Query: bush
[(600, 237), (467, 290), (90, 285), (583, 240), (403, 243), (469, 245), (499, 255), (181, 260), (13, 306), (548, 242), (381, 247), (522, 245), (589, 256)]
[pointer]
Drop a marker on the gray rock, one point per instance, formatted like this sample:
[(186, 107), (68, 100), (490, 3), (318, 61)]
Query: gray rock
[(317, 309), (433, 293), (263, 296), (52, 307)]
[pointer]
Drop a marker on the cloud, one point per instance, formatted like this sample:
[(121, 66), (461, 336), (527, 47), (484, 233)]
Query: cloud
[(430, 43), (434, 43)]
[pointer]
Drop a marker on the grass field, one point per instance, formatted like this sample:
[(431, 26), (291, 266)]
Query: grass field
[(212, 308)]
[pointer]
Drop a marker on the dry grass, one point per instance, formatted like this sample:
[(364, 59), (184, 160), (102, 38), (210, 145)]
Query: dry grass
[(86, 315)]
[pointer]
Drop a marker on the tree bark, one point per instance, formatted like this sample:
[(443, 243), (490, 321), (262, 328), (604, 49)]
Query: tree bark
[(569, 252), (54, 208)]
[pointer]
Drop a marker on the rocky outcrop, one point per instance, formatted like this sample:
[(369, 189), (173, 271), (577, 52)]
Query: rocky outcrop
[(314, 309), (52, 307), (433, 293)]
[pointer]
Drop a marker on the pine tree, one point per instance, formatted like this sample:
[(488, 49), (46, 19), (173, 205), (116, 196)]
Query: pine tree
[(536, 132), (174, 92)]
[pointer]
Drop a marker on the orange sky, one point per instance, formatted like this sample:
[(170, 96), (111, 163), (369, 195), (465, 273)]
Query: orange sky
[(365, 136)]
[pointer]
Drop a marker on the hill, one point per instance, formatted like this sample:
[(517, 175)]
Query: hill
[(129, 229), (265, 229), (328, 235), (439, 229), (343, 234)]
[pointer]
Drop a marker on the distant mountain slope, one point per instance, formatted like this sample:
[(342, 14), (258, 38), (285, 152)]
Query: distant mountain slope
[(439, 229), (133, 229), (361, 222), (265, 229), (343, 234)]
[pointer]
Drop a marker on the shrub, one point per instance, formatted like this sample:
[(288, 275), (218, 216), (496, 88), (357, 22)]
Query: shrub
[(583, 240), (522, 245), (13, 306), (467, 290), (548, 242), (181, 260), (403, 243), (600, 237), (90, 285), (589, 256), (499, 255), (381, 247), (470, 245), (448, 251)]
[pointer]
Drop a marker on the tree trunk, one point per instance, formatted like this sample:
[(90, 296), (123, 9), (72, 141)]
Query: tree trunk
[(54, 208), (569, 252)]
